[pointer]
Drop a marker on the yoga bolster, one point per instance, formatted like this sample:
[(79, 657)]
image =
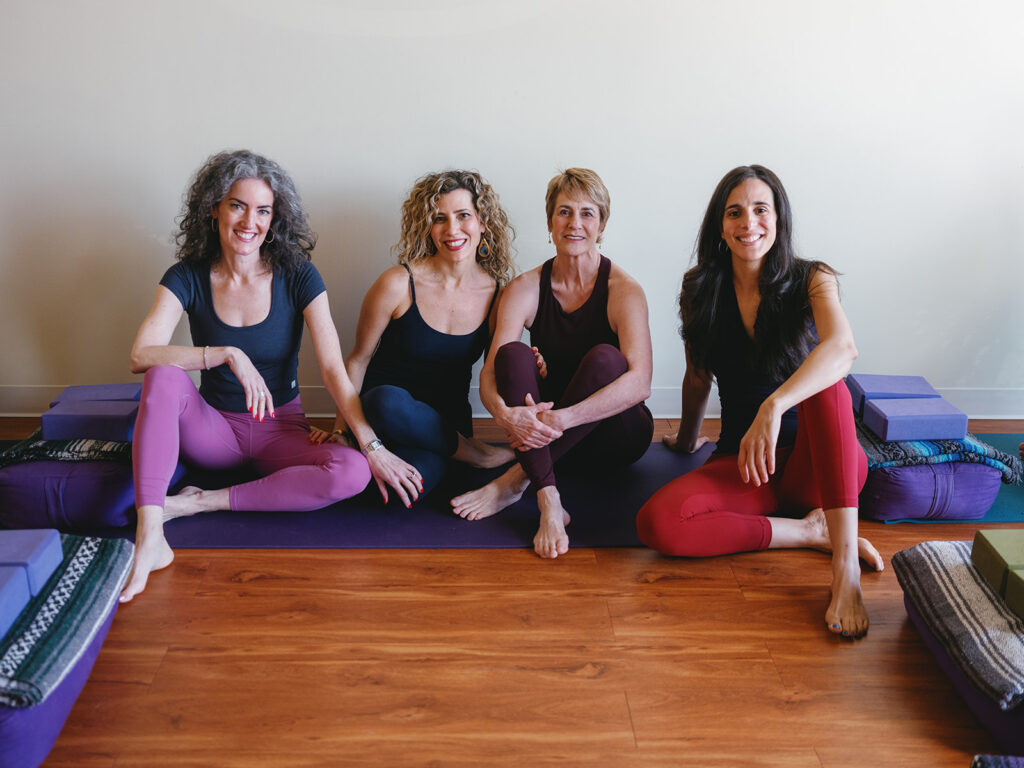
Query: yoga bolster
[(69, 495), (94, 419), (28, 735), (951, 491)]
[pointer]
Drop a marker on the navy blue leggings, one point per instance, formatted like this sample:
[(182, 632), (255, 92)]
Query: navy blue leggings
[(616, 441), (411, 430)]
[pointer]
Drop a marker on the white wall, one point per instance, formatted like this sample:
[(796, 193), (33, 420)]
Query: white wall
[(896, 127)]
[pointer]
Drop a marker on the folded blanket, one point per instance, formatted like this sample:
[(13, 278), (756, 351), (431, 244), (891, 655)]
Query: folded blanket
[(888, 453), (980, 633), (58, 625), (34, 448)]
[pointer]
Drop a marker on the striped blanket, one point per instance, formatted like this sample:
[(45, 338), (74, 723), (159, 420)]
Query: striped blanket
[(34, 448), (60, 623), (980, 633), (886, 453)]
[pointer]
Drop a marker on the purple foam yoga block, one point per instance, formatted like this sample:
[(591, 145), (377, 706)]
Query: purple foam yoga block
[(38, 551), (931, 418), (96, 419), (14, 595), (128, 391), (871, 386)]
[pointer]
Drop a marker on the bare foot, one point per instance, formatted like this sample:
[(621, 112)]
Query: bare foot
[(181, 505), (820, 539), (846, 614), (493, 497), (479, 454), (152, 552), (191, 500), (551, 539)]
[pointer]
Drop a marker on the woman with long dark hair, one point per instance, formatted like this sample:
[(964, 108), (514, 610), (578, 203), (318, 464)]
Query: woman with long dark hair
[(769, 327)]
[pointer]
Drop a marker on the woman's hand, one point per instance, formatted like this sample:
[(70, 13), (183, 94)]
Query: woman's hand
[(542, 367), (387, 469), (258, 399), (523, 427), (672, 443), (756, 458), (319, 436)]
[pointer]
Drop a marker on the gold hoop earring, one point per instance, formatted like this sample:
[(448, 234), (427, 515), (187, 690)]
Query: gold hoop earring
[(269, 238), (213, 224)]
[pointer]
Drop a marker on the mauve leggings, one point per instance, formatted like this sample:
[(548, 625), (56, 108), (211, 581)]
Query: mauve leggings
[(618, 440), (711, 511), (174, 419)]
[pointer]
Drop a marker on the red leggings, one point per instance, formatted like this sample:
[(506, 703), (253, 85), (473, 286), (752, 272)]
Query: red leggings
[(711, 511), (616, 441)]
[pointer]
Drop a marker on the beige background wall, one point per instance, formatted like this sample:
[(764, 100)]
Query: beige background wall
[(896, 127)]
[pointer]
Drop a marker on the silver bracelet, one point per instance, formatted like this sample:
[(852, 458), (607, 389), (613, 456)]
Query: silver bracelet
[(206, 365)]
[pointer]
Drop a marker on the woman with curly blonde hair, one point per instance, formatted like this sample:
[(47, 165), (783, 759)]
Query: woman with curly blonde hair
[(425, 322)]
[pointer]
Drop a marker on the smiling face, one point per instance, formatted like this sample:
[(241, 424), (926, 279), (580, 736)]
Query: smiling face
[(748, 226), (575, 224), (244, 215), (456, 228)]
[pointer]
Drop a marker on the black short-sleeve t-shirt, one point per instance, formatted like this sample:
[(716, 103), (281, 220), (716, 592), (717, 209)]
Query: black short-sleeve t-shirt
[(272, 345)]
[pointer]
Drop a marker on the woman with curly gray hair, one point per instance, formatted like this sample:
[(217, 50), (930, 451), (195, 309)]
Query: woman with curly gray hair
[(426, 321), (245, 279)]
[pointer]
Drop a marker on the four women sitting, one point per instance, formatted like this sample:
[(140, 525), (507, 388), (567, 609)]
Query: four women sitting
[(767, 325)]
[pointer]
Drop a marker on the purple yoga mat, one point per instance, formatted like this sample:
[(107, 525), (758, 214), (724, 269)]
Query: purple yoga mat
[(603, 506)]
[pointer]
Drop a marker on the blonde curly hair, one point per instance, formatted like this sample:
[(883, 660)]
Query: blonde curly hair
[(420, 208)]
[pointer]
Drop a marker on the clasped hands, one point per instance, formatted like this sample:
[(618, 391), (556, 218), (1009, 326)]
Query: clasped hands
[(532, 425)]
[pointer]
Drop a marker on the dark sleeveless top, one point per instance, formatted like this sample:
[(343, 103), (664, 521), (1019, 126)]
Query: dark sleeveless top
[(563, 338), (434, 367), (741, 387)]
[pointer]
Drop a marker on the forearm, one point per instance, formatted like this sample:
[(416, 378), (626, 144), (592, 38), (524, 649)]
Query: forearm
[(695, 394), (186, 358), (492, 401), (627, 390), (824, 366), (350, 408)]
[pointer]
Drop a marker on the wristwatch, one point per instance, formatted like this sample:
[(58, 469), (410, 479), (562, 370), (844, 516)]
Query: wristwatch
[(373, 445)]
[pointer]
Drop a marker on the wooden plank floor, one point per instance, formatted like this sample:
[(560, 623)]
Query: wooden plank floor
[(604, 657)]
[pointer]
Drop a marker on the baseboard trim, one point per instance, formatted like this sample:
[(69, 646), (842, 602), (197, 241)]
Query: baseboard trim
[(977, 402)]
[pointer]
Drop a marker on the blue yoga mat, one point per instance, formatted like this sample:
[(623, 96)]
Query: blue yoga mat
[(603, 506), (1009, 504)]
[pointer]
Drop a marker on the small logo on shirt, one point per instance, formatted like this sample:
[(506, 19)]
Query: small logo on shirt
[(292, 385)]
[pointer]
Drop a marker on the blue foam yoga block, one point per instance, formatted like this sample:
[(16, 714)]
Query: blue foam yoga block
[(37, 551), (96, 419), (14, 595), (872, 386), (127, 391), (931, 418)]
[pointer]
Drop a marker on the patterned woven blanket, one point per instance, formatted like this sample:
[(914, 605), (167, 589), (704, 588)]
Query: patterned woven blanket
[(982, 635), (34, 448), (59, 624), (883, 453)]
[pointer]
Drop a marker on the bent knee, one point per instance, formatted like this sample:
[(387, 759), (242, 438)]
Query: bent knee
[(607, 358), (384, 401), (347, 470), (162, 381)]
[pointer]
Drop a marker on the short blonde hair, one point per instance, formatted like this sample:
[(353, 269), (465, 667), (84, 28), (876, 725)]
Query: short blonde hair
[(420, 207), (579, 181)]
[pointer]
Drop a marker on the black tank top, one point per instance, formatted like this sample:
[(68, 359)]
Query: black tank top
[(741, 387), (434, 367), (565, 337)]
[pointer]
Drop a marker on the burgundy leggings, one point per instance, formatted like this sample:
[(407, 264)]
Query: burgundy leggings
[(173, 417), (618, 440), (711, 511)]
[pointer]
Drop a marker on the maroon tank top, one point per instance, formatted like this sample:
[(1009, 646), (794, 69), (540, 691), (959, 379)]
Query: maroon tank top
[(565, 337)]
